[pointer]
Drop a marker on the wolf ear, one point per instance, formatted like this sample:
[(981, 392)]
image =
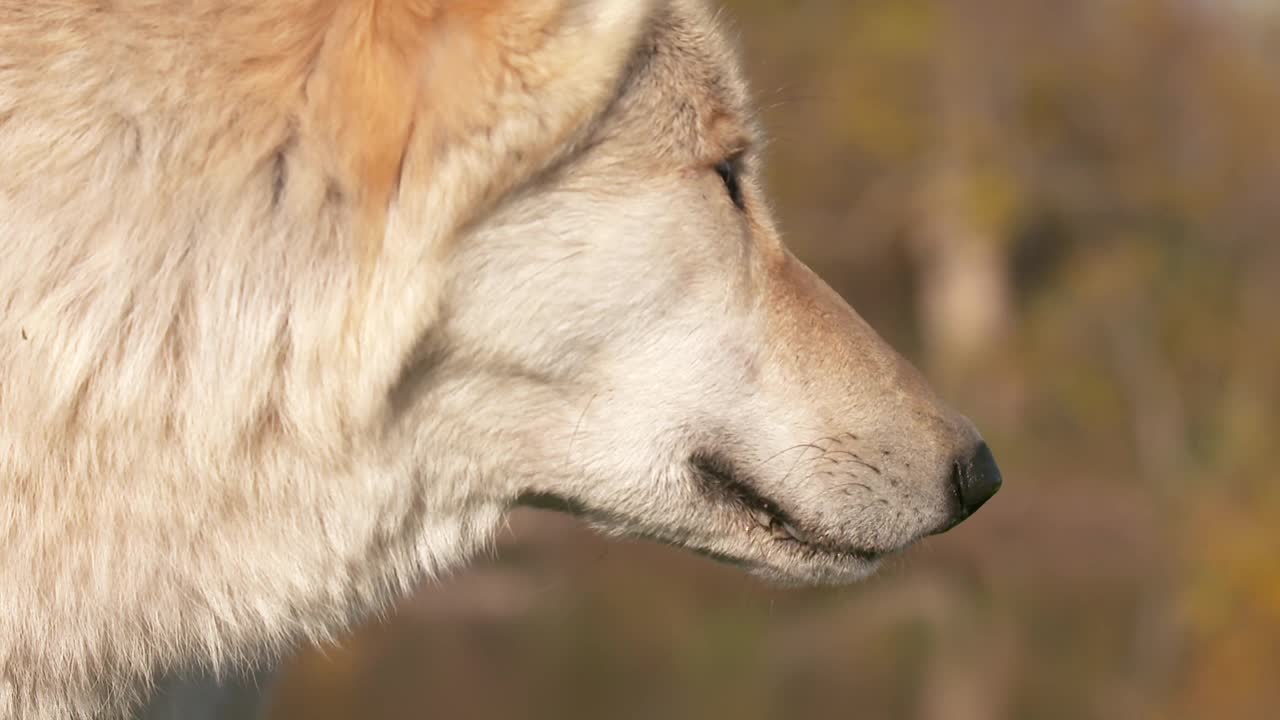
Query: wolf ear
[(423, 112), (482, 91)]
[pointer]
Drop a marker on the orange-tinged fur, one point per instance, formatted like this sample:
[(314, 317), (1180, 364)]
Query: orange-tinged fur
[(363, 95)]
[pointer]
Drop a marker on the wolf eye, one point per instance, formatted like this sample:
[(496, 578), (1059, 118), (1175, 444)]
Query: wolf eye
[(728, 172)]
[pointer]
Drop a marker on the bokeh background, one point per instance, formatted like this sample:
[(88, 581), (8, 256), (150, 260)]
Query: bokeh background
[(1067, 214)]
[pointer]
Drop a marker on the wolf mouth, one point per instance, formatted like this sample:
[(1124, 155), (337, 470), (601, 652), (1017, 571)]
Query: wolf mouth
[(722, 482)]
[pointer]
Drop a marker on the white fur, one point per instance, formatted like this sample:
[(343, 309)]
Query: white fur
[(223, 428)]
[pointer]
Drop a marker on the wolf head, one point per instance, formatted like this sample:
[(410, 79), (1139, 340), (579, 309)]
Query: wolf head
[(623, 334)]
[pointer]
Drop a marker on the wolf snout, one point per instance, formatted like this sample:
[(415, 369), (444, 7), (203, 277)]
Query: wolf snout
[(975, 478)]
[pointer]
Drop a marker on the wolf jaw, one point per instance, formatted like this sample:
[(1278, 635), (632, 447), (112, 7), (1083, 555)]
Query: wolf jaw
[(723, 483)]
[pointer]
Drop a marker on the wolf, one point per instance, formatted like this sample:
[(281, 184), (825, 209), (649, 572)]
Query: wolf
[(299, 297)]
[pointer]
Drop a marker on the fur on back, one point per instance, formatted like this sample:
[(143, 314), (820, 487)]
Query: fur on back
[(219, 230)]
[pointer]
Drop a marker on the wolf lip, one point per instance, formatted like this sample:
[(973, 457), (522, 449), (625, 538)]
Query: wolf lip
[(722, 482), (785, 531)]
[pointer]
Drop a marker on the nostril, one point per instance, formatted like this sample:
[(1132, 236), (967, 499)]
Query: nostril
[(975, 478)]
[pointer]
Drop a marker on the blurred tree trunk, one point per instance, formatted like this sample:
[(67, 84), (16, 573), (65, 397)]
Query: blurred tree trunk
[(965, 297), (970, 675), (964, 286)]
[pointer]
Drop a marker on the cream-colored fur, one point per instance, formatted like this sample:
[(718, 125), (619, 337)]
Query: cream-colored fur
[(297, 297)]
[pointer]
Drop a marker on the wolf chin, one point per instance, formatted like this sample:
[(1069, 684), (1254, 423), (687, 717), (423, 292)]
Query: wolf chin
[(299, 297)]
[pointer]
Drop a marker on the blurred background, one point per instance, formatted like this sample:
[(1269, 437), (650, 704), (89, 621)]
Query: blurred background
[(1067, 214)]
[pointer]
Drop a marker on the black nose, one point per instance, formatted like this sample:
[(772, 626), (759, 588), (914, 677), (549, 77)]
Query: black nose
[(976, 479)]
